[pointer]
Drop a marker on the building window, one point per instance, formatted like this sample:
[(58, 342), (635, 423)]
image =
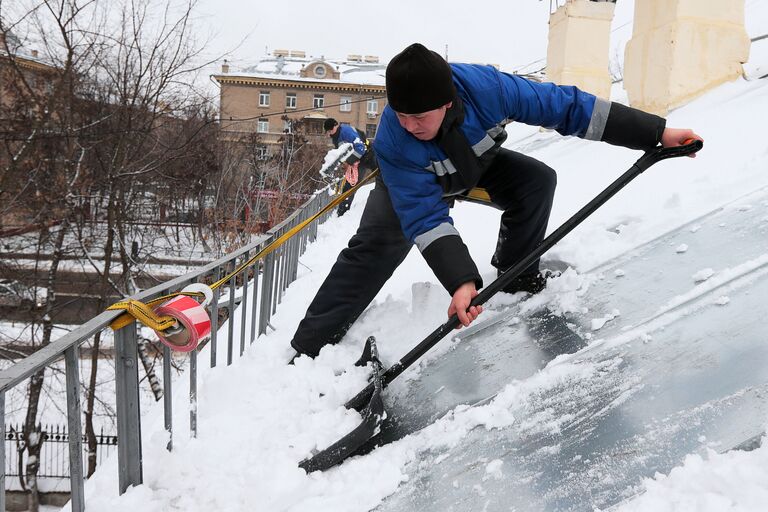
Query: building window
[(261, 152), (263, 126), (345, 104), (318, 101), (370, 131), (372, 107), (290, 100), (320, 71), (264, 99), (314, 127), (287, 128)]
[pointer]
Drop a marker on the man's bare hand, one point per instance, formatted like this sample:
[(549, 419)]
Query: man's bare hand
[(460, 304), (678, 137)]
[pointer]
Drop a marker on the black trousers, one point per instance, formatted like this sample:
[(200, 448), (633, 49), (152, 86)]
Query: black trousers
[(346, 203), (521, 186)]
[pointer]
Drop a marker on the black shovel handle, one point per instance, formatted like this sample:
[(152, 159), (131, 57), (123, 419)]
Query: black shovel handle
[(643, 163)]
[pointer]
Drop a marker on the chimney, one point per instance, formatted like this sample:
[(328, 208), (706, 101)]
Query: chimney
[(225, 66)]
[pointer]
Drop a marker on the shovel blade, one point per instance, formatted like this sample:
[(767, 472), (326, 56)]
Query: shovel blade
[(373, 415)]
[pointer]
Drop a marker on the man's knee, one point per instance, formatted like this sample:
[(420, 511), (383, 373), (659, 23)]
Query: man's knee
[(547, 178)]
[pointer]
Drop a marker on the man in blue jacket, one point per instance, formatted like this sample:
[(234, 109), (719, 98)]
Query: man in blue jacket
[(358, 163), (440, 136)]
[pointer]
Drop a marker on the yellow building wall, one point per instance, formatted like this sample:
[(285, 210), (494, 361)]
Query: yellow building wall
[(577, 53), (681, 49)]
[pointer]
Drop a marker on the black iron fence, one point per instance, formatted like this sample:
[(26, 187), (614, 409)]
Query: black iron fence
[(54, 454)]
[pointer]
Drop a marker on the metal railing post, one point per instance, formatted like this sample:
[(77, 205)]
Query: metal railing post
[(168, 395), (128, 414), (193, 394), (244, 305), (296, 252), (2, 450), (72, 369), (231, 319), (276, 281), (266, 293), (288, 264), (215, 317), (255, 300)]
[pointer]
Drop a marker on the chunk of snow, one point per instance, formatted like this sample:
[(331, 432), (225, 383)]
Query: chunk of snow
[(493, 469), (598, 323), (681, 248), (703, 275), (722, 300), (618, 272)]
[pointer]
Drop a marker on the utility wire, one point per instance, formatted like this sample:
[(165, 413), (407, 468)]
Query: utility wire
[(293, 110)]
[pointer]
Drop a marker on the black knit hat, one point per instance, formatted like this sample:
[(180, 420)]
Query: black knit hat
[(418, 80), (329, 124)]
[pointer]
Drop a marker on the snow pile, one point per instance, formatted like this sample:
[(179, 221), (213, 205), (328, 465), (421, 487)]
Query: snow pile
[(332, 157), (736, 481)]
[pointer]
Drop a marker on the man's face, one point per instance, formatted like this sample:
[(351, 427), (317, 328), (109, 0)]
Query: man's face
[(424, 126), (332, 131)]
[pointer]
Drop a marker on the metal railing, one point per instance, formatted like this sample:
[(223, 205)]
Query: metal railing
[(268, 280), (54, 458)]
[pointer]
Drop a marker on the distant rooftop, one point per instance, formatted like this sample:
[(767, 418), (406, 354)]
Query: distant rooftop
[(288, 64), (18, 50)]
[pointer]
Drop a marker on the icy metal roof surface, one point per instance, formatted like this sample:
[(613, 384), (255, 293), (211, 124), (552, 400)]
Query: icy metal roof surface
[(679, 365)]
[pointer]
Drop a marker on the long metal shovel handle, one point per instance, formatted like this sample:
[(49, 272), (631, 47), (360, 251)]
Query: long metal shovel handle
[(644, 162)]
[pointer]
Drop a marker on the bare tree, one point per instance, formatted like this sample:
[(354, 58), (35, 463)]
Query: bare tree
[(109, 119), (113, 118)]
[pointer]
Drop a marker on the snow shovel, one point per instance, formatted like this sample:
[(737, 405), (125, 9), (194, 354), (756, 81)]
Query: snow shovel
[(368, 401), (373, 415)]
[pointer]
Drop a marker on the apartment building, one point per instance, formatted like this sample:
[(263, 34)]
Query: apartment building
[(256, 99), (38, 74)]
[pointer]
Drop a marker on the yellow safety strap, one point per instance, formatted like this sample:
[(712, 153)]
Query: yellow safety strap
[(143, 312), (137, 310), (478, 194)]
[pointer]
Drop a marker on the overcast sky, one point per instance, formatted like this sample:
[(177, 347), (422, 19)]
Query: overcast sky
[(509, 33)]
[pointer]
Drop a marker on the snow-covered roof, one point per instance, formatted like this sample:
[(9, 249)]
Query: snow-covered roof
[(26, 58), (25, 54), (289, 68)]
